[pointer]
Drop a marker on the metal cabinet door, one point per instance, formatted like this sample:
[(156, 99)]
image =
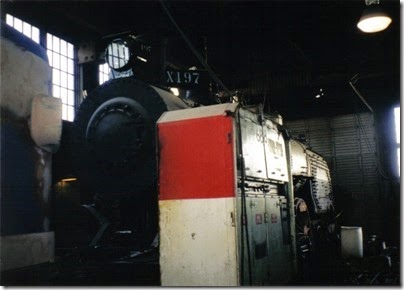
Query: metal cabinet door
[(275, 153), (257, 231), (279, 252), (253, 149)]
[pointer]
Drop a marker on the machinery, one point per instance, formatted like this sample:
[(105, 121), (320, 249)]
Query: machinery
[(265, 187), (114, 149), (223, 192), (227, 214), (233, 197)]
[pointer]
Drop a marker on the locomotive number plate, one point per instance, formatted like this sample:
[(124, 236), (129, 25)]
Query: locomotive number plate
[(186, 78)]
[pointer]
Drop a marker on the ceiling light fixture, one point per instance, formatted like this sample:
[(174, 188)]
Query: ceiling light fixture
[(320, 94), (373, 19)]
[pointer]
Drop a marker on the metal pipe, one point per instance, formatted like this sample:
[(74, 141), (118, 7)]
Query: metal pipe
[(291, 199), (360, 96), (243, 217)]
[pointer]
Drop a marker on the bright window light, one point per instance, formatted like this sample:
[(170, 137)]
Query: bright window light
[(23, 27), (397, 127), (103, 73), (9, 19), (397, 122), (61, 59)]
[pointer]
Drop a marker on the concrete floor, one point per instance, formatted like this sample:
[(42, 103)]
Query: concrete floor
[(101, 268)]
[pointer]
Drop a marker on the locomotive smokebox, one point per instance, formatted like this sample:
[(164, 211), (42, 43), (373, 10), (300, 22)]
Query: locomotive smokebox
[(114, 136)]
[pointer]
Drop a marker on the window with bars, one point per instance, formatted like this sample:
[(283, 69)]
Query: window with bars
[(103, 73), (23, 27), (61, 59)]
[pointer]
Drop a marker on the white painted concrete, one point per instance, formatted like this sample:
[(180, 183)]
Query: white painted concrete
[(46, 122), (18, 86), (25, 250), (198, 242), (196, 113)]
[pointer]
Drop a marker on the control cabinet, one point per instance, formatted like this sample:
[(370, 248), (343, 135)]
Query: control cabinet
[(223, 198)]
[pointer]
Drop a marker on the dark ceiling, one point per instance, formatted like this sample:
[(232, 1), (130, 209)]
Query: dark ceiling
[(283, 51)]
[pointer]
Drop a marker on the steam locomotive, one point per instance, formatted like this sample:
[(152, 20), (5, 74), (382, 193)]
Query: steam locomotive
[(116, 152), (115, 145)]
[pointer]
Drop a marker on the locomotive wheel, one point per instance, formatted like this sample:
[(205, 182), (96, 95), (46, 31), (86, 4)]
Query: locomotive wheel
[(114, 137)]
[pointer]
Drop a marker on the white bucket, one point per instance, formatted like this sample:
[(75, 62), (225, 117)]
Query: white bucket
[(351, 242)]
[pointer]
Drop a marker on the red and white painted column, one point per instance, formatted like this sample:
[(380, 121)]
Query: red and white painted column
[(197, 197)]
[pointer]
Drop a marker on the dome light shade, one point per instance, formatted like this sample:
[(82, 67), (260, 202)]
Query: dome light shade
[(373, 20)]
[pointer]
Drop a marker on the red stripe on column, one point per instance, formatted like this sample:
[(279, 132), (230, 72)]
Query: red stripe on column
[(196, 158)]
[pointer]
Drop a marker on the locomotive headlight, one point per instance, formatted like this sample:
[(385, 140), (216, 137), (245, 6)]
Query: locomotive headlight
[(128, 52), (118, 55)]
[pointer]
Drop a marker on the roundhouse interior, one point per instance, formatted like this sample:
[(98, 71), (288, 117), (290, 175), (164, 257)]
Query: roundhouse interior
[(125, 181)]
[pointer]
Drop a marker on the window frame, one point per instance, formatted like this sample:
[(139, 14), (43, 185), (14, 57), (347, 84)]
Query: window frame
[(61, 54), (71, 102), (26, 28)]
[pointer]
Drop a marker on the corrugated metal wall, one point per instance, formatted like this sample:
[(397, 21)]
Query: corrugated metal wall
[(349, 145)]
